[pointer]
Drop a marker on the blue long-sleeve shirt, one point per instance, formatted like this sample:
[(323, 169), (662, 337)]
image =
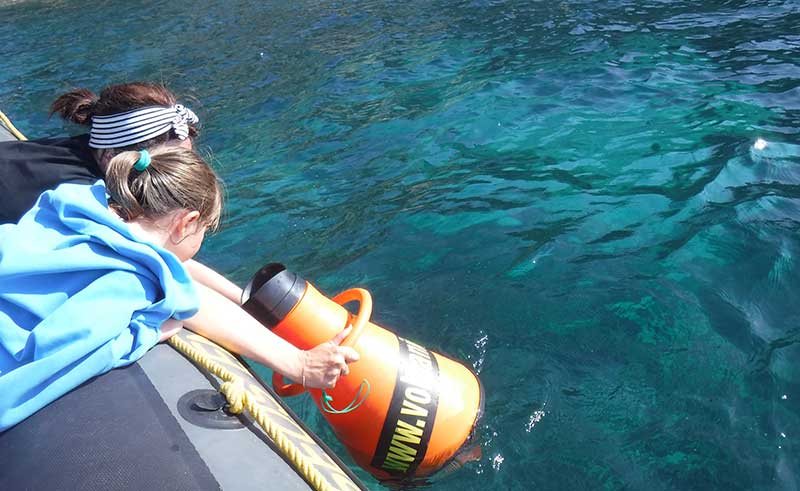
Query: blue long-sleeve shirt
[(79, 295)]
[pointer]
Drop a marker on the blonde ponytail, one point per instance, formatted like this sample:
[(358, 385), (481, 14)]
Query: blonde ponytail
[(176, 178)]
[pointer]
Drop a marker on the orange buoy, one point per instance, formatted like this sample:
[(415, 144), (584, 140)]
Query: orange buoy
[(403, 412)]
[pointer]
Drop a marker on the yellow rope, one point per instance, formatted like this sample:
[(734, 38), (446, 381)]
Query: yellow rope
[(14, 131), (239, 398)]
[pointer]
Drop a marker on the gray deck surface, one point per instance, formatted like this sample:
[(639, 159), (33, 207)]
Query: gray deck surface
[(238, 458)]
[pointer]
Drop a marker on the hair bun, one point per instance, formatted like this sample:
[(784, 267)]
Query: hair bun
[(76, 106)]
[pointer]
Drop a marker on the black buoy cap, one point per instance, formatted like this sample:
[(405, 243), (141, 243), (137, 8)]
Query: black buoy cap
[(272, 293)]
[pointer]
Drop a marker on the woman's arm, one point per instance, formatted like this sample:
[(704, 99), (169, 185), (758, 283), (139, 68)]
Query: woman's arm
[(225, 323), (206, 276)]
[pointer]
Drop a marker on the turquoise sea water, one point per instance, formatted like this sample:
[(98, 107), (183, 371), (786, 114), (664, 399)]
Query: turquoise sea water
[(566, 195)]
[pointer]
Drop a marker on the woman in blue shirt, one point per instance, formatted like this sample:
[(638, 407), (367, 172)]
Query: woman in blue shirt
[(93, 276)]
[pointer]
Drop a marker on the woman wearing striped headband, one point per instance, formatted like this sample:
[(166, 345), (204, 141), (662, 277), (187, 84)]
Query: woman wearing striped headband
[(128, 116)]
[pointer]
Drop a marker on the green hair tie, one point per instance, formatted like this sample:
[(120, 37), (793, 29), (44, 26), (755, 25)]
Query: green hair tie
[(143, 162)]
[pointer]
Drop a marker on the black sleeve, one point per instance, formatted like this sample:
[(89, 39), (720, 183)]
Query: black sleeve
[(27, 169)]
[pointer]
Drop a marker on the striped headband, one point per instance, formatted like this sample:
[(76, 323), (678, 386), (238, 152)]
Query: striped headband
[(121, 130)]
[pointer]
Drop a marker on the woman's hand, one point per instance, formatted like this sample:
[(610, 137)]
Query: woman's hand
[(325, 363), (228, 325)]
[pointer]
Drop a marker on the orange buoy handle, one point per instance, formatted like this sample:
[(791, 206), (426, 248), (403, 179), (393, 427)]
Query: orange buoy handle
[(364, 312)]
